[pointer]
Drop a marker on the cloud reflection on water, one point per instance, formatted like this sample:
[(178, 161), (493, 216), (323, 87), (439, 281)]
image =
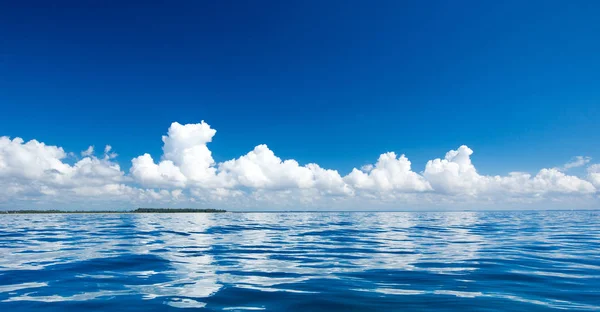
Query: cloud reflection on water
[(196, 260)]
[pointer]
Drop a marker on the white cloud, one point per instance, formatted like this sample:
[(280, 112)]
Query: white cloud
[(329, 181), (32, 160), (186, 158), (34, 168), (32, 173), (546, 181), (88, 152), (261, 169), (94, 171), (388, 174), (367, 168), (187, 161), (108, 154), (594, 174), (455, 174), (577, 161), (163, 174)]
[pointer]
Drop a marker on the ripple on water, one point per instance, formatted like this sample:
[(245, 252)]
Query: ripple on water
[(492, 261)]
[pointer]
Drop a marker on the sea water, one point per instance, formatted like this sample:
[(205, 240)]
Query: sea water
[(405, 261)]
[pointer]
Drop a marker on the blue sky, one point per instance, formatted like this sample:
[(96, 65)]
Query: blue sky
[(332, 82)]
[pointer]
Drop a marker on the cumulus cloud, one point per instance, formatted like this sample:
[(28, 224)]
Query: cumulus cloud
[(186, 158), (32, 160), (594, 174), (186, 173), (261, 169), (390, 173), (456, 174), (187, 161), (36, 168), (163, 174), (552, 180)]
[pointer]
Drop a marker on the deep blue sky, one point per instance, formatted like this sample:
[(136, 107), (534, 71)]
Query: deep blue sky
[(332, 82)]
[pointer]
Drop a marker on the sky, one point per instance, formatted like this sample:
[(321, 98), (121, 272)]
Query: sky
[(297, 105)]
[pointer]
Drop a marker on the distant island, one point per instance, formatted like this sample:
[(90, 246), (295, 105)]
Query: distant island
[(170, 210), (139, 210)]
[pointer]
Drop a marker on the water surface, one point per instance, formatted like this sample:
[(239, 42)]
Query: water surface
[(455, 261)]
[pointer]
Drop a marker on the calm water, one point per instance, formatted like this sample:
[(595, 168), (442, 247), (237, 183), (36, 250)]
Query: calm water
[(482, 261)]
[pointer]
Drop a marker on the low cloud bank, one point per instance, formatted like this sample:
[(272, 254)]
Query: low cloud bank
[(33, 173)]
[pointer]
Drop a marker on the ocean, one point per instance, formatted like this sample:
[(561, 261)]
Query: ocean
[(347, 261)]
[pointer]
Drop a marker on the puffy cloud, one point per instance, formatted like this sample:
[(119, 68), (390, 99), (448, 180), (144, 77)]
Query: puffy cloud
[(546, 181), (186, 158), (32, 160), (455, 173), (33, 172), (34, 168), (185, 146), (390, 173), (187, 161), (163, 174), (94, 171), (329, 181), (552, 180), (594, 174), (261, 169)]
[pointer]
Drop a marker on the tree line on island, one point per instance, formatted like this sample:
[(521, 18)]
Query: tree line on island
[(168, 210), (138, 210)]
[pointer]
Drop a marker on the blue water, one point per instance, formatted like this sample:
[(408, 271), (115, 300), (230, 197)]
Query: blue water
[(455, 261)]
